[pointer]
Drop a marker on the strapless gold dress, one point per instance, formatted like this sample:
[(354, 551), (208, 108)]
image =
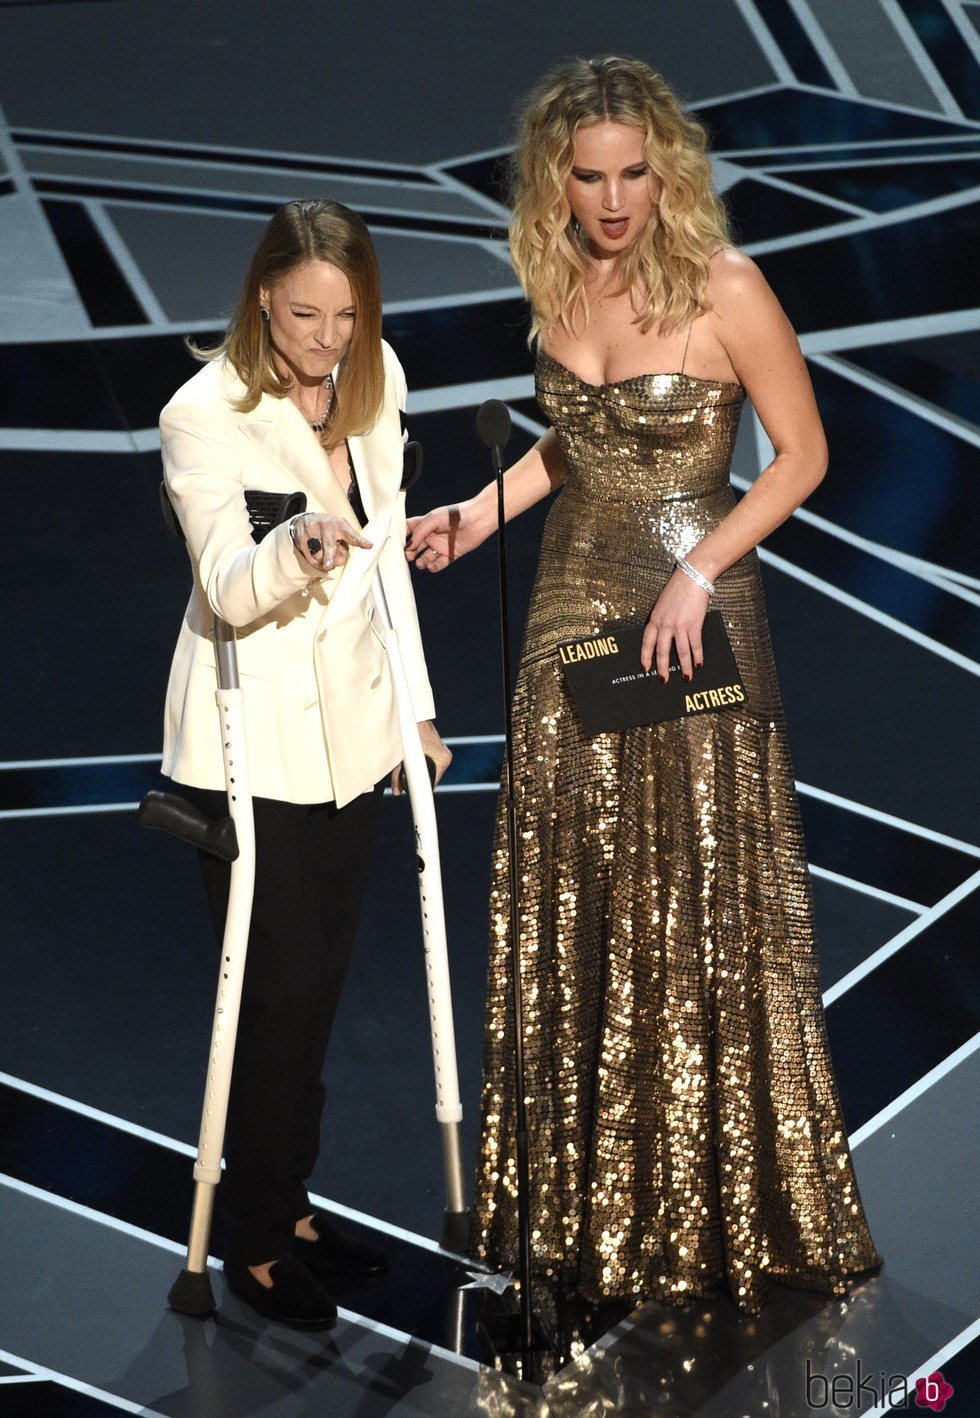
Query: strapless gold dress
[(685, 1130)]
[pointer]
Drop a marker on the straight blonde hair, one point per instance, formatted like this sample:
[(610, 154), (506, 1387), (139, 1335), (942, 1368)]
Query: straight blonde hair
[(666, 267), (315, 229)]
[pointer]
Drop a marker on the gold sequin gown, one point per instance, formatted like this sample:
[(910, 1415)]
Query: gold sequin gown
[(685, 1130)]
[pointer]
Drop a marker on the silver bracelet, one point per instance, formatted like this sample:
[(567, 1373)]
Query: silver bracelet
[(291, 526), (695, 575)]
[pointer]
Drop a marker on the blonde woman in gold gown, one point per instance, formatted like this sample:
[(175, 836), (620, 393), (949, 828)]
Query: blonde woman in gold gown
[(686, 1136)]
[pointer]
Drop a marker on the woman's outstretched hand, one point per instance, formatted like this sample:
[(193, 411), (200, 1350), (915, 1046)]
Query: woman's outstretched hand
[(444, 535), (325, 542), (676, 619)]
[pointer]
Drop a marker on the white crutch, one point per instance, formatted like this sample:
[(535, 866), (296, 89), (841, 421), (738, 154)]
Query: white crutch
[(233, 840), (449, 1111), (191, 1292)]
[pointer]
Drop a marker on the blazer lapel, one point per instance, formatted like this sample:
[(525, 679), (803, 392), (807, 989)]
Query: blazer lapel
[(377, 459), (279, 429), (365, 482)]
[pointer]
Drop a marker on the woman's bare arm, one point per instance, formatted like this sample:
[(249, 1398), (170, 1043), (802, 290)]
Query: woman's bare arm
[(748, 322), (445, 534)]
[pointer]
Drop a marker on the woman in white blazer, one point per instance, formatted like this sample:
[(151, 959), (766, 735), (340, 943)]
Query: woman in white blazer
[(302, 394)]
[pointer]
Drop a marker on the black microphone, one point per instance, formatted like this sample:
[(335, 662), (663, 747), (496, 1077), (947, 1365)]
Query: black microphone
[(493, 426)]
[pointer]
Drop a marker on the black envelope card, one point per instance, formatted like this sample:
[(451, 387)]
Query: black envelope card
[(612, 692)]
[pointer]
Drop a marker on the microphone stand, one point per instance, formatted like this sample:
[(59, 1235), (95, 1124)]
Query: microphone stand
[(493, 426)]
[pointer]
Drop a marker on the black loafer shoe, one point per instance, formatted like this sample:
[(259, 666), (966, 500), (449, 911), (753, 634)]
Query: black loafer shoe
[(338, 1255), (295, 1298)]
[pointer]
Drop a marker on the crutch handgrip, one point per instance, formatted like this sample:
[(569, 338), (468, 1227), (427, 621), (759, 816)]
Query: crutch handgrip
[(181, 819), (430, 763)]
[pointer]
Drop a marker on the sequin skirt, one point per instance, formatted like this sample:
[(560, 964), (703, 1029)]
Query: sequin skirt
[(685, 1131)]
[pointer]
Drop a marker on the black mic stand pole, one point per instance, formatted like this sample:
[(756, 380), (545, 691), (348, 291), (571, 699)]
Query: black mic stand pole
[(493, 425)]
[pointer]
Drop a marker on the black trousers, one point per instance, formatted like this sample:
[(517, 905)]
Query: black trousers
[(311, 871)]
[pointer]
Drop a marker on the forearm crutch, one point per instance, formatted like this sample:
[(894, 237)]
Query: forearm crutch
[(449, 1111), (191, 1293)]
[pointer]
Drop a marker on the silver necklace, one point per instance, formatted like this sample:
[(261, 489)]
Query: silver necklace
[(320, 423)]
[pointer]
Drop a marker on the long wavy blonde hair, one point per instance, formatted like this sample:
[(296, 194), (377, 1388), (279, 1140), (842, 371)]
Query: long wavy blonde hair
[(315, 229), (666, 267)]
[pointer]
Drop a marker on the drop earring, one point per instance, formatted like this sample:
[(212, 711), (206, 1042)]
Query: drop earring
[(264, 312)]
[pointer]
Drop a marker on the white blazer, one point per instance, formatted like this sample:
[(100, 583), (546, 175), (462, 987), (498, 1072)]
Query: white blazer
[(320, 713)]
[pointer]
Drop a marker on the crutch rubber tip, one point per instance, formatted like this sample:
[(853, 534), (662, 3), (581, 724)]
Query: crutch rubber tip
[(191, 1294), (455, 1232)]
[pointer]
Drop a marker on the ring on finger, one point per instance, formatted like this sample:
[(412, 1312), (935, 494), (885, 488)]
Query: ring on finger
[(314, 546)]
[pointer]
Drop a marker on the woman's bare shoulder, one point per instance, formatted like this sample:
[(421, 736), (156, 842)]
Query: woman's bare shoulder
[(747, 318), (734, 277)]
